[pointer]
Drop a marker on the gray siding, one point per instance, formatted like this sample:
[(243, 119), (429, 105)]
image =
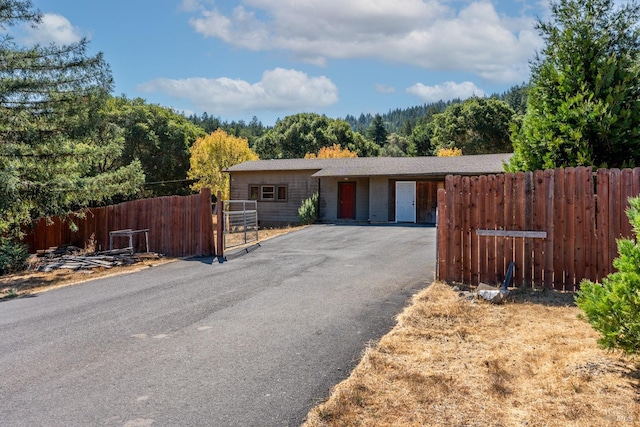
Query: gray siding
[(379, 199), (329, 198), (300, 185), (374, 196)]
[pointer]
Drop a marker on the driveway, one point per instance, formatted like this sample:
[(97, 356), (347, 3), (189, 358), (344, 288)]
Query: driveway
[(255, 341)]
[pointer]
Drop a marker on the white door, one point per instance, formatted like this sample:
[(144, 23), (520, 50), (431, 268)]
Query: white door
[(405, 201)]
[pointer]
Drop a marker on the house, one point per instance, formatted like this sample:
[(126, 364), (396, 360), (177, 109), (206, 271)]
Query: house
[(362, 189)]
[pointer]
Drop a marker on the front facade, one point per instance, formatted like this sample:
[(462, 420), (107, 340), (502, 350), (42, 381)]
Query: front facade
[(371, 189)]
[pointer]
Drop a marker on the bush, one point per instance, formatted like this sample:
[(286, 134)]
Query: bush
[(13, 255), (308, 210), (613, 307)]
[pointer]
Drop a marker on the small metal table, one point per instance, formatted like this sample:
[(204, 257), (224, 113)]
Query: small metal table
[(129, 233)]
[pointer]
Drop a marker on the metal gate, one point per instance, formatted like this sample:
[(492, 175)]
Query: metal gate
[(240, 222)]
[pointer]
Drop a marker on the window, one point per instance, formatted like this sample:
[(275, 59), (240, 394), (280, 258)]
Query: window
[(254, 192), (282, 193), (268, 192)]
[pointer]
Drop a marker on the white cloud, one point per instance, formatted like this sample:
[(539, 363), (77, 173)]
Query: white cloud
[(382, 88), (190, 5), (54, 28), (447, 91), (427, 33), (279, 90)]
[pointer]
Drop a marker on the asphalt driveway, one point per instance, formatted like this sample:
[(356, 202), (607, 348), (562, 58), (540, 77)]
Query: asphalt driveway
[(255, 341)]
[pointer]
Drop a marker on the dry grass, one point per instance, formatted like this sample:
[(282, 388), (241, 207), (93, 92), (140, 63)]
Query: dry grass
[(455, 362), (31, 282), (236, 240)]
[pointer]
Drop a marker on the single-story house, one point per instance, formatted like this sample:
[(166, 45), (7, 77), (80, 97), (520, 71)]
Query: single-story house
[(362, 189)]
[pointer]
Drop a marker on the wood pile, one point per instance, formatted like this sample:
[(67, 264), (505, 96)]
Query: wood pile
[(74, 258)]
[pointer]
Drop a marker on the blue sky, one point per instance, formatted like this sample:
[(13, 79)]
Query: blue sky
[(236, 59)]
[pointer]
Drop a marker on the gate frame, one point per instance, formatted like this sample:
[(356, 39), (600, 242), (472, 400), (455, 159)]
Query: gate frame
[(225, 213)]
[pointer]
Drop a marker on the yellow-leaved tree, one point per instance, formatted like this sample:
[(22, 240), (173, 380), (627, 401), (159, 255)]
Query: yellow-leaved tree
[(333, 152), (211, 154), (449, 152)]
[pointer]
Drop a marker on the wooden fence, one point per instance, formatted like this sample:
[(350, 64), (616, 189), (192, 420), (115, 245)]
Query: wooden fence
[(581, 212), (178, 226)]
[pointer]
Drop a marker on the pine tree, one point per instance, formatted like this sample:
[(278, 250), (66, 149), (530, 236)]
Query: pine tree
[(52, 139), (377, 132)]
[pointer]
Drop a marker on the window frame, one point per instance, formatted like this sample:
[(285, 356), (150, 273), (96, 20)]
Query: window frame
[(269, 192), (255, 197), (286, 193), (272, 192)]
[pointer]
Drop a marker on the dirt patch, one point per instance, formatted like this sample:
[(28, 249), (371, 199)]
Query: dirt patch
[(452, 361), (30, 282)]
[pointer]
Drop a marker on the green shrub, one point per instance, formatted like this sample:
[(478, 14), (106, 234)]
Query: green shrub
[(13, 255), (613, 307), (308, 210)]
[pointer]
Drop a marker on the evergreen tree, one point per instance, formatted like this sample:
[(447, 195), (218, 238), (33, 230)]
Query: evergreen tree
[(583, 104), (377, 132), (516, 97), (52, 139), (420, 140)]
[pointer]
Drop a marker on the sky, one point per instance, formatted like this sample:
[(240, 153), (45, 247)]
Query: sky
[(236, 59)]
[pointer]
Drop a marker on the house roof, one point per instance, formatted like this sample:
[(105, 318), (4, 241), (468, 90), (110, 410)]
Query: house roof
[(382, 166)]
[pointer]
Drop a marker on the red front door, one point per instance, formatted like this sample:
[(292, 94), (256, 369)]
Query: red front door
[(347, 200)]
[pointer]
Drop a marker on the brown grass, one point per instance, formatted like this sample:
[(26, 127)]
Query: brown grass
[(31, 282), (457, 362)]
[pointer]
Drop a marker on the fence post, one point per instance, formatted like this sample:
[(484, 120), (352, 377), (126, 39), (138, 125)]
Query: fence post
[(220, 228), (244, 220)]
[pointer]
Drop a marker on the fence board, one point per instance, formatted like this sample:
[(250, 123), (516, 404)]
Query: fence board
[(559, 230), (591, 248), (528, 225), (451, 232), (538, 204), (499, 206), (549, 228), (614, 204), (602, 206), (518, 224), (458, 209), (482, 221), (474, 192), (443, 233), (490, 264), (569, 249), (507, 217), (627, 182), (579, 258), (466, 233)]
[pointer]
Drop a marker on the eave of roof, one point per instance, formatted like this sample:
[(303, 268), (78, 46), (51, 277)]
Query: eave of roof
[(383, 166)]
